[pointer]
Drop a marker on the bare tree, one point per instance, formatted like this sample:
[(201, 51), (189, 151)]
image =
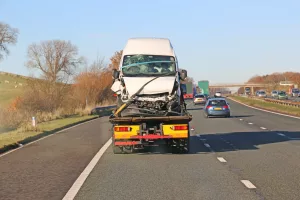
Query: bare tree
[(56, 59), (115, 60), (8, 36)]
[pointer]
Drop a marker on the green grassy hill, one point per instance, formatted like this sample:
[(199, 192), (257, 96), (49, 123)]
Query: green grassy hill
[(11, 86)]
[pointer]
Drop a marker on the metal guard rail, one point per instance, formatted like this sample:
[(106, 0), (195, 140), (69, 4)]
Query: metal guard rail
[(281, 102)]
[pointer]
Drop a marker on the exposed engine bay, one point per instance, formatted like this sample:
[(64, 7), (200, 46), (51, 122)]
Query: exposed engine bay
[(160, 102), (163, 104)]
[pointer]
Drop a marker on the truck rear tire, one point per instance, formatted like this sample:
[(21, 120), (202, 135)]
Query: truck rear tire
[(117, 150), (128, 149), (182, 147)]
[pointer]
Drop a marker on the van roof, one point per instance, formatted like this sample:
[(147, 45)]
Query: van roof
[(149, 46)]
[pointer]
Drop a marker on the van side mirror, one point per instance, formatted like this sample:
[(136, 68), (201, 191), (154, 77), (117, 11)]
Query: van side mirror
[(115, 74), (183, 74)]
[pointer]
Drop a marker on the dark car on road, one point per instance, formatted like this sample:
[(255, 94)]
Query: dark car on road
[(295, 92), (217, 107)]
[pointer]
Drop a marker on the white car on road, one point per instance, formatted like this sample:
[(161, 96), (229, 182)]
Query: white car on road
[(218, 94)]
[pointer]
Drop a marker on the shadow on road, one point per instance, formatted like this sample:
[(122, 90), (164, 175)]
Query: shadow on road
[(195, 108), (226, 142), (237, 141)]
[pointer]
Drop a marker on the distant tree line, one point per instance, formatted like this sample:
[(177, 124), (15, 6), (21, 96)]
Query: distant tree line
[(273, 80)]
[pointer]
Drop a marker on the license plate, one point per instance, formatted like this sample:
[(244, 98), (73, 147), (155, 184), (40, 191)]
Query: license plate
[(217, 108), (199, 99)]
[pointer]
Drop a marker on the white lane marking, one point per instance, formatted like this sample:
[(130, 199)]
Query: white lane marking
[(265, 110), (221, 159), (263, 128), (81, 179), (241, 119), (281, 134), (24, 145), (207, 145), (248, 184), (250, 123)]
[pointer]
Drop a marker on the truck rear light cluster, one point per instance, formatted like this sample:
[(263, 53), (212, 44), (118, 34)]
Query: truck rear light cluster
[(179, 128), (122, 129)]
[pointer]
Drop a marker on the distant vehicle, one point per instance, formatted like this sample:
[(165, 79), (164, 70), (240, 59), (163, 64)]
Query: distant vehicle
[(207, 96), (188, 89), (274, 93), (247, 91), (217, 107), (295, 92), (204, 86), (282, 95), (199, 99), (261, 93), (218, 94)]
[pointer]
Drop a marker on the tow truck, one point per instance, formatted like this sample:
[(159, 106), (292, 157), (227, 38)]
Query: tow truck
[(150, 105)]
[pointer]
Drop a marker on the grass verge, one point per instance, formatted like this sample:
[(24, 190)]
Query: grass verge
[(283, 109), (12, 139)]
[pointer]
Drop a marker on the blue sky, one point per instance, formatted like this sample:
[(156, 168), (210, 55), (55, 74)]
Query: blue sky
[(221, 41)]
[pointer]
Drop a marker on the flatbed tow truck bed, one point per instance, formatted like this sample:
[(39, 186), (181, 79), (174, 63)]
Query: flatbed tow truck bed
[(134, 133)]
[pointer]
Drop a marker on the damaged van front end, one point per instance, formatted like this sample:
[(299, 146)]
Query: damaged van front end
[(148, 81)]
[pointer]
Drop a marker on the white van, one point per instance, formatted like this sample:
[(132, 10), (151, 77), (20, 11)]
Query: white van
[(149, 76)]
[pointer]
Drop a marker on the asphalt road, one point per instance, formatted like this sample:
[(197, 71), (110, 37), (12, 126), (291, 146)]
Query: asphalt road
[(228, 156)]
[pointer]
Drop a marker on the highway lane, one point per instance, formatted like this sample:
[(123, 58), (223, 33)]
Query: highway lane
[(296, 99), (267, 120), (256, 152), (47, 169), (198, 175), (224, 152)]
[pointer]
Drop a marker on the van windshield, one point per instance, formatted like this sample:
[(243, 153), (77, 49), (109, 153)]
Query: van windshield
[(148, 65)]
